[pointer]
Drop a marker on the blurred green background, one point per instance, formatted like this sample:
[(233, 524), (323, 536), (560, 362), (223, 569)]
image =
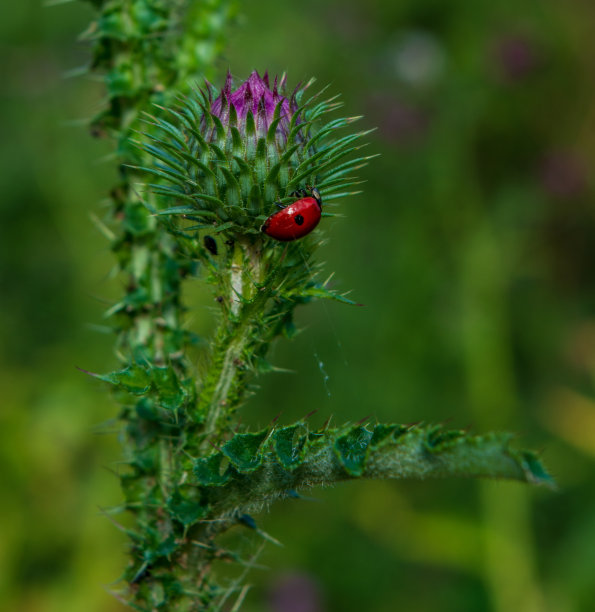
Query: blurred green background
[(472, 248)]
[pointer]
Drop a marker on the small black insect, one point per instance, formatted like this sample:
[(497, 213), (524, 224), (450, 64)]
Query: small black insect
[(210, 244)]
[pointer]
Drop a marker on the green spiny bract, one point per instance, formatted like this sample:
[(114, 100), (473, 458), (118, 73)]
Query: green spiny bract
[(227, 158)]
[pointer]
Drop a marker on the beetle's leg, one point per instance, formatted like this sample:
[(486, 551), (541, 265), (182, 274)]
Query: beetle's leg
[(316, 195), (279, 205)]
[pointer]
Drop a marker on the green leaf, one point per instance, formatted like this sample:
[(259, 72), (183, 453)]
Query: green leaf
[(208, 471), (243, 165), (237, 141), (290, 445), (386, 433), (167, 158), (166, 174), (191, 197), (533, 468), (331, 161), (288, 153), (163, 548), (146, 459), (137, 220), (146, 409), (185, 510), (387, 451), (233, 116), (178, 210), (190, 125), (219, 154), (273, 174), (337, 196), (219, 128), (439, 439), (329, 128), (324, 293), (272, 131), (169, 128), (223, 227), (333, 152), (192, 159), (260, 161), (344, 169), (133, 379), (171, 392), (351, 449), (233, 191), (333, 186), (243, 450), (250, 126)]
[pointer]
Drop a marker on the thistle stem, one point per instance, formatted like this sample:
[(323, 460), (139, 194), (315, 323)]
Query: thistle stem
[(236, 341), (222, 390)]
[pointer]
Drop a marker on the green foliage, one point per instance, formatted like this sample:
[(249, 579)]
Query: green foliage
[(139, 48), (275, 462)]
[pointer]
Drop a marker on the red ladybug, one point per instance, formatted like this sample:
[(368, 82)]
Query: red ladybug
[(297, 219)]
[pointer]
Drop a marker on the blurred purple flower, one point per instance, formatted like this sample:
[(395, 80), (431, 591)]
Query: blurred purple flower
[(256, 96), (515, 57), (562, 175), (295, 592)]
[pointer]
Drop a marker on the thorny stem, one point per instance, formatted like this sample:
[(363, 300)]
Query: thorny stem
[(224, 377), (224, 390)]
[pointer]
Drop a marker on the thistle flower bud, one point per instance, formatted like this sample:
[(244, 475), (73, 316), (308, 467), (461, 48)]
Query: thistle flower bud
[(228, 156), (256, 97)]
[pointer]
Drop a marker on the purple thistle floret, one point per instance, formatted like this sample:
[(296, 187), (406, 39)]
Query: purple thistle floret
[(256, 96)]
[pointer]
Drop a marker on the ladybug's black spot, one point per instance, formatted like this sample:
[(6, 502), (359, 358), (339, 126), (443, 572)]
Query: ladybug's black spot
[(299, 219)]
